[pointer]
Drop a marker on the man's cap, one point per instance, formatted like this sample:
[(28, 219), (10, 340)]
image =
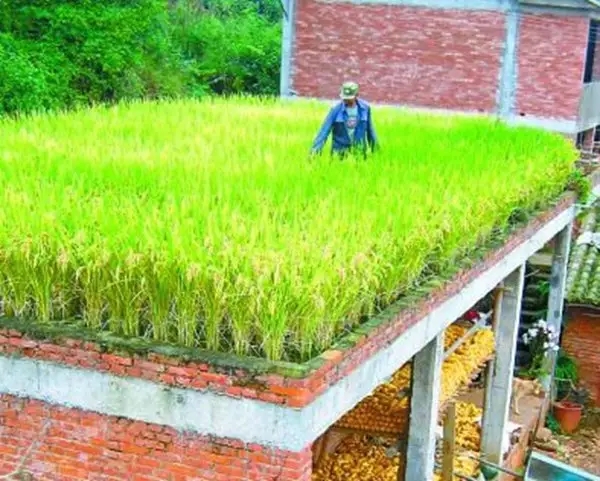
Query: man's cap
[(349, 90)]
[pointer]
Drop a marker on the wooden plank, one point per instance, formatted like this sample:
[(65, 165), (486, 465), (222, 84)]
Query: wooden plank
[(449, 443)]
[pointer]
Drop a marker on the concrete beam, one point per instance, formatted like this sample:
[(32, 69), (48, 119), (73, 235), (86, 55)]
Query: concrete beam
[(424, 408), (245, 419), (556, 297), (499, 384)]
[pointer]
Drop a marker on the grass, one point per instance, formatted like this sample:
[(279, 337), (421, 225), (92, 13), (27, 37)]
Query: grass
[(206, 225)]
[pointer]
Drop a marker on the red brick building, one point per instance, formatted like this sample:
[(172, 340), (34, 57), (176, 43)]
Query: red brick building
[(526, 60), (581, 337)]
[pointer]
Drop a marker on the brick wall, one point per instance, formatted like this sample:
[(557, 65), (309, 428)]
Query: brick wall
[(74, 445), (433, 58), (552, 52), (582, 341), (416, 56)]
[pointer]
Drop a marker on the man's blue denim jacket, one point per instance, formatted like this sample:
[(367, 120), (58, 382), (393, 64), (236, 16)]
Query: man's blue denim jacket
[(335, 123)]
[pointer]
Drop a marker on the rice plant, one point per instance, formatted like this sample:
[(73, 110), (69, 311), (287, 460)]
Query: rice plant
[(206, 224)]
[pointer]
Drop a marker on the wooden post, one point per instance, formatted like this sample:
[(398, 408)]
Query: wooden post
[(449, 443)]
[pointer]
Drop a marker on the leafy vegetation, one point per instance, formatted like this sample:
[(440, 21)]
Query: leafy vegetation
[(57, 54), (552, 424), (204, 224)]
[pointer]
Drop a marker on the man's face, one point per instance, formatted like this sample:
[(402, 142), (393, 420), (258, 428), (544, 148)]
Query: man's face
[(350, 102)]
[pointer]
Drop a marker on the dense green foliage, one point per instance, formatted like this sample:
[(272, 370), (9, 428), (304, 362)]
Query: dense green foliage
[(61, 53), (203, 223)]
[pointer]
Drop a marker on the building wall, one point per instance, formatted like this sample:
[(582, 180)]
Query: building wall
[(74, 445), (552, 52), (430, 57), (408, 55), (582, 340)]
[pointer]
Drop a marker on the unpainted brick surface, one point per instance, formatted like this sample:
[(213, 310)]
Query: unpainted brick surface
[(74, 445), (551, 64), (402, 55), (582, 341)]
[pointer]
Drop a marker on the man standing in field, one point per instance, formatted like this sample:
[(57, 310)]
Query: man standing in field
[(350, 124)]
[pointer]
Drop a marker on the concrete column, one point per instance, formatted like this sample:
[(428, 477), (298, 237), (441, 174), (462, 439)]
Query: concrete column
[(424, 406), (499, 380), (556, 297), (507, 86), (587, 143), (287, 46)]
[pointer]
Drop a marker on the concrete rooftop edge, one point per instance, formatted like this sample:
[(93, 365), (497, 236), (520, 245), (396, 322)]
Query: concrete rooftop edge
[(41, 371)]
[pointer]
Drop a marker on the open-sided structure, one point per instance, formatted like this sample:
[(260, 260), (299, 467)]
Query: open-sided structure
[(135, 408), (83, 402)]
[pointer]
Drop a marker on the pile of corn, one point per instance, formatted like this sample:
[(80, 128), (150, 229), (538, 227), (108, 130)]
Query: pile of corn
[(468, 430), (359, 458), (386, 412)]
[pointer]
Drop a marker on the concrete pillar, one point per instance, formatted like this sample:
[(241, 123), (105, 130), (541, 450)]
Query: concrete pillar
[(498, 387), (287, 44), (507, 88), (424, 406), (556, 296), (587, 143)]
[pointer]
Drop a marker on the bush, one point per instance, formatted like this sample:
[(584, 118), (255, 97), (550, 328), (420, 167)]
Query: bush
[(229, 47), (25, 85), (61, 53)]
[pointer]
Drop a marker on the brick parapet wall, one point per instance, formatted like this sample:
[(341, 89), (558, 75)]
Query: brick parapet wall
[(74, 445), (294, 392), (581, 340)]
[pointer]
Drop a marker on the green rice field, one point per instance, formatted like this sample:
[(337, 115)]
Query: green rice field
[(205, 224)]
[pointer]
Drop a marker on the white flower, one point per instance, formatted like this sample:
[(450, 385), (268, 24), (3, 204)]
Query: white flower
[(550, 329), (546, 345), (533, 332), (525, 338), (541, 323), (555, 348)]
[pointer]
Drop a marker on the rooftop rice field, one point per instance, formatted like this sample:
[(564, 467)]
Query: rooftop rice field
[(204, 224)]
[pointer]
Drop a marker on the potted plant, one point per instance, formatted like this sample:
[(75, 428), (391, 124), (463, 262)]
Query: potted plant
[(568, 413), (565, 375), (540, 339), (569, 410)]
